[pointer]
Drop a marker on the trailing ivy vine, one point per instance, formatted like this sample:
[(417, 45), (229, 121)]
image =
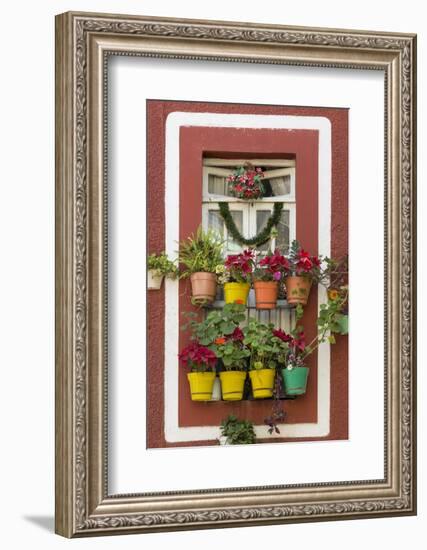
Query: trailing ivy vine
[(262, 236)]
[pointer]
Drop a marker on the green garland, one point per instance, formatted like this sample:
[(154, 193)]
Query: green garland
[(259, 239)]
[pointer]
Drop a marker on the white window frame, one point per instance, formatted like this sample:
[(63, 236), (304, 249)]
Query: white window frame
[(276, 168), (278, 172), (269, 205), (234, 206)]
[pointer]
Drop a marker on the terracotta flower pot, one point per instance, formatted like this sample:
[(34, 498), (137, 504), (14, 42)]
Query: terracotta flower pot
[(266, 293), (203, 286), (154, 279), (297, 290)]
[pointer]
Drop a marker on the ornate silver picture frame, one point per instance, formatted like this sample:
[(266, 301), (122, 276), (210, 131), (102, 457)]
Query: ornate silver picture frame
[(84, 42)]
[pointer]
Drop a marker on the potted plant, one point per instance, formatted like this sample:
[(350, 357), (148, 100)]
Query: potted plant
[(201, 361), (246, 182), (159, 266), (238, 272), (330, 322), (233, 354), (200, 254), (219, 326), (295, 372), (217, 323), (263, 352), (303, 269), (335, 278), (266, 279), (237, 432)]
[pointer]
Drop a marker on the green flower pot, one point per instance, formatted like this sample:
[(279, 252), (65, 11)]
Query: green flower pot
[(295, 380)]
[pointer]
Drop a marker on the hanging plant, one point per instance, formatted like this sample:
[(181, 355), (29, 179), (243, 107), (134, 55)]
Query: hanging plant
[(259, 239), (245, 182)]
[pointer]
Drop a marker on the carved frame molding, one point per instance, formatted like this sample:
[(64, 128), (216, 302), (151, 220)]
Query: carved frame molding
[(83, 43)]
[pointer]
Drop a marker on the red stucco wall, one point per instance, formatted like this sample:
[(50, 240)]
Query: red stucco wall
[(193, 143), (303, 146)]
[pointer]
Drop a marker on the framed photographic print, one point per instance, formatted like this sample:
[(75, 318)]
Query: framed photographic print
[(235, 282)]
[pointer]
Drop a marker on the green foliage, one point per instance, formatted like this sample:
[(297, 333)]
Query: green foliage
[(331, 319), (264, 347), (238, 432), (261, 274), (201, 251), (217, 323), (162, 265), (232, 353), (259, 239)]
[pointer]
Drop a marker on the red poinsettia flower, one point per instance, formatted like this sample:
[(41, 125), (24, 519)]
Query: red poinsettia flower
[(242, 262), (295, 343), (304, 263), (237, 335), (281, 334), (299, 343), (275, 262), (197, 354)]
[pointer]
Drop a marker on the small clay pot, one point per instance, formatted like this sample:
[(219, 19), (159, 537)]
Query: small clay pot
[(297, 290), (266, 293), (203, 286)]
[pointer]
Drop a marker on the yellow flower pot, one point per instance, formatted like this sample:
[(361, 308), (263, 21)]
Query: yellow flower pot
[(236, 293), (232, 384), (201, 385), (262, 382)]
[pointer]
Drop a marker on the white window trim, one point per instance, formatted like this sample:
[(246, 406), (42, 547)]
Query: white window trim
[(209, 197), (288, 163), (263, 206), (173, 432), (233, 207)]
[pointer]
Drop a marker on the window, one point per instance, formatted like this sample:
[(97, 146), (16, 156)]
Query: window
[(250, 217)]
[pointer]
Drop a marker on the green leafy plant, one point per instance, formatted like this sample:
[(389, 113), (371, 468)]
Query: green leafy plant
[(201, 252), (162, 265), (217, 323), (331, 317), (329, 322), (220, 332), (238, 432), (264, 347), (231, 350)]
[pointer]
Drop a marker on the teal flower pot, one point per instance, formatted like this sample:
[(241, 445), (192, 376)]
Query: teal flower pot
[(295, 380)]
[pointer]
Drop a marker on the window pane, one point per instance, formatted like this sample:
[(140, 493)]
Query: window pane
[(282, 240), (216, 222), (262, 217), (217, 185), (281, 186), (233, 246)]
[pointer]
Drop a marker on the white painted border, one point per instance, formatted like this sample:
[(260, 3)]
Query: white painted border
[(134, 468), (173, 432)]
